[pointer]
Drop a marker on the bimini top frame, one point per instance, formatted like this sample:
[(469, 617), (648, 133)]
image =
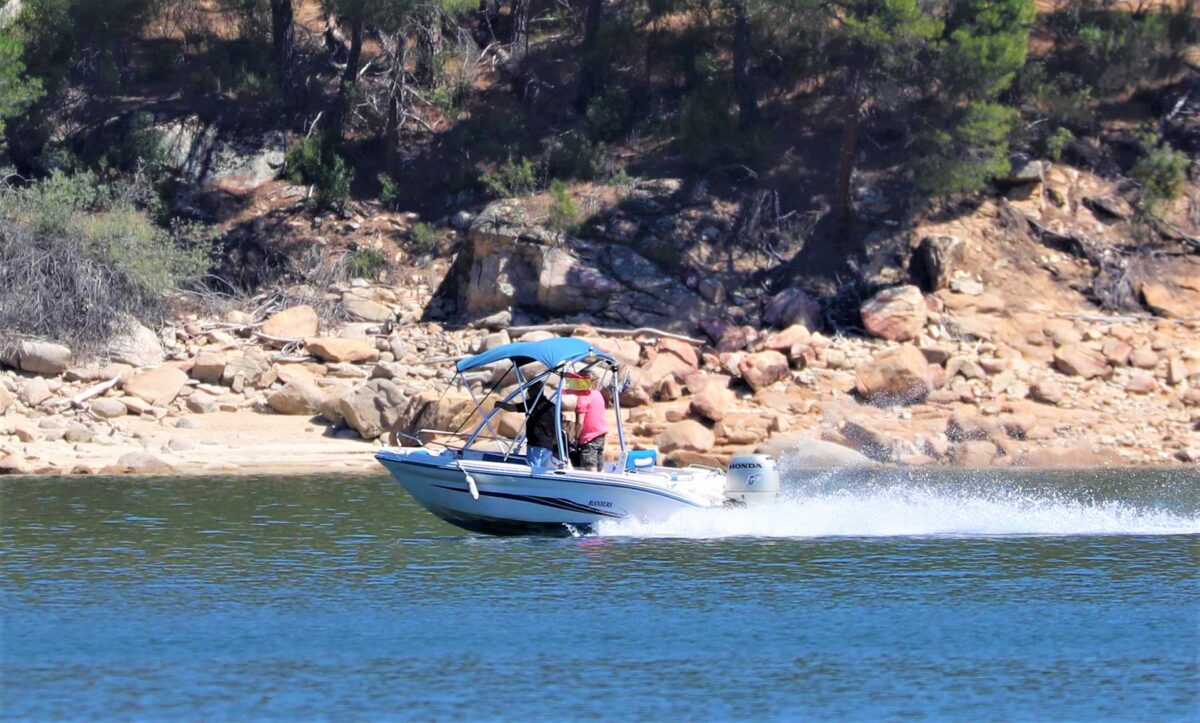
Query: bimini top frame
[(557, 356)]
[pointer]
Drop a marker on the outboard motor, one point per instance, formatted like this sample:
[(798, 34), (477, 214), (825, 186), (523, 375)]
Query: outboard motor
[(752, 478)]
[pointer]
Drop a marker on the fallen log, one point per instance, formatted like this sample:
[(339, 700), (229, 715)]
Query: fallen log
[(570, 328)]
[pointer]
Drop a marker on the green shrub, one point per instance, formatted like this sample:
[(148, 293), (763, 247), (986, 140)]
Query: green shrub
[(1064, 98), (76, 254), (564, 212), (1161, 170), (316, 162), (1056, 143), (424, 238), (389, 191), (140, 147), (574, 155), (611, 113), (707, 126), (969, 152), (512, 178), (365, 263), (17, 92)]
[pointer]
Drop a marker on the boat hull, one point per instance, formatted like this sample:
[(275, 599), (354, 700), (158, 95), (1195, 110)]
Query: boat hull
[(516, 500)]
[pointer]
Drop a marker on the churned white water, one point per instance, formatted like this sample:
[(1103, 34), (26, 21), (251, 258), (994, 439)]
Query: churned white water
[(873, 505)]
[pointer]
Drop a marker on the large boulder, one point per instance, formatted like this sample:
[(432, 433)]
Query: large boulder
[(331, 405), (796, 335), (627, 351), (871, 438), (664, 365), (685, 351), (896, 376), (250, 367), (687, 435), (141, 463), (1081, 361), (712, 402), (157, 387), (208, 367), (976, 453), (764, 368), (793, 306), (1047, 391), (567, 282), (374, 408), (896, 314), (1167, 302), (204, 153), (332, 349), (298, 322), (136, 345), (107, 408), (808, 453), (366, 309), (935, 259), (296, 397), (435, 411), (42, 357), (34, 391), (6, 399), (512, 262), (743, 428)]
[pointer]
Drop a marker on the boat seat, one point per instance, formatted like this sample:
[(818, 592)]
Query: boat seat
[(640, 460)]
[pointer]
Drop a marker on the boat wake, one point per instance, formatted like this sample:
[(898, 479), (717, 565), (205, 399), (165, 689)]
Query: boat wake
[(860, 505)]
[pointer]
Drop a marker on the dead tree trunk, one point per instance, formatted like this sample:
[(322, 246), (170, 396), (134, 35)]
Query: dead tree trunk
[(429, 44)]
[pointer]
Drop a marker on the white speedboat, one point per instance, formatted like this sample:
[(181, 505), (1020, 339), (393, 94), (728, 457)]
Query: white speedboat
[(488, 483)]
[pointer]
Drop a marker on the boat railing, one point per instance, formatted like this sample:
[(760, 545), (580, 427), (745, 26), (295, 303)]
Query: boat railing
[(443, 438)]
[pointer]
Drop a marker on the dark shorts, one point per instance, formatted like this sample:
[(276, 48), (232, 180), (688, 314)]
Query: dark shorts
[(591, 454)]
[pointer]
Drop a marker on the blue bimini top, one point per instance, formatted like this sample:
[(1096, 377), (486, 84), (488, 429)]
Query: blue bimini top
[(550, 353)]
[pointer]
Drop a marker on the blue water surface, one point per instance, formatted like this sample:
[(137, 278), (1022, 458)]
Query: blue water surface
[(306, 598)]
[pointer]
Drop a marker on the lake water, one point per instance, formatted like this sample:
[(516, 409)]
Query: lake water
[(1023, 596)]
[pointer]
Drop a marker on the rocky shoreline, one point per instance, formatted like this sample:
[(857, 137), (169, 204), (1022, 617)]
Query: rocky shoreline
[(997, 358), (282, 393)]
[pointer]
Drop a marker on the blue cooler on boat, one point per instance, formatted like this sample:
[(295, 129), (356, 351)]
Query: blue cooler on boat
[(640, 459)]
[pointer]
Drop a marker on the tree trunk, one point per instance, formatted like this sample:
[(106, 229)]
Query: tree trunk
[(520, 25), (851, 118), (429, 43), (283, 43), (355, 56), (489, 17), (391, 129), (349, 77), (743, 81), (589, 71)]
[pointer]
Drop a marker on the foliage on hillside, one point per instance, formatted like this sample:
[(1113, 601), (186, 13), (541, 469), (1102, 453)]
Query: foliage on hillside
[(77, 252), (441, 102)]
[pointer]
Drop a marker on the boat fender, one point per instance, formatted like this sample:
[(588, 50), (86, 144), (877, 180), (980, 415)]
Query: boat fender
[(471, 486), (751, 478)]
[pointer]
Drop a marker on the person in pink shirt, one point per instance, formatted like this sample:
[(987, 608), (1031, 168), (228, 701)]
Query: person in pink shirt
[(591, 426)]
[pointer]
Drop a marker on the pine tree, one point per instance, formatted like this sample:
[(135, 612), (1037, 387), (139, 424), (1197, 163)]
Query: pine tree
[(985, 46), (17, 92)]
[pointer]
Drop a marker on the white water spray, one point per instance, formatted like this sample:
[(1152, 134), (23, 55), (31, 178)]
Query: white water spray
[(865, 505)]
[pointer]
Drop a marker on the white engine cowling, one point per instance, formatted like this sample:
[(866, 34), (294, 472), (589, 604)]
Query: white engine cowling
[(751, 478)]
